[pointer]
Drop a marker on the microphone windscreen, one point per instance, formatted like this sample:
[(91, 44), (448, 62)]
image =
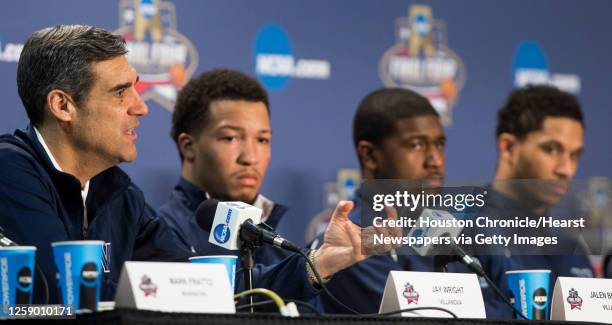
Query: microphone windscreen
[(205, 213)]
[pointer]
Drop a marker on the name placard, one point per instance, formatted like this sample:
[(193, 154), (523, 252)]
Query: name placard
[(582, 299), (458, 292), (175, 287)]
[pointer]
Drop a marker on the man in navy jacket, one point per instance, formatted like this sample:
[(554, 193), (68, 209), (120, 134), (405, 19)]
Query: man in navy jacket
[(221, 125), (540, 138), (397, 135), (60, 180)]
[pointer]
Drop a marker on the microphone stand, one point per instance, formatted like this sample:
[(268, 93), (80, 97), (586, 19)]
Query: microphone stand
[(441, 262), (247, 261), (446, 254)]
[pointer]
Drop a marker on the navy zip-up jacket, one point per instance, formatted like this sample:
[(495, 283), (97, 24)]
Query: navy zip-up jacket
[(42, 205), (179, 213)]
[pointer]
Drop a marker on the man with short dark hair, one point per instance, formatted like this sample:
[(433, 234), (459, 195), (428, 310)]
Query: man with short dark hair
[(540, 137), (60, 174), (221, 126), (397, 134)]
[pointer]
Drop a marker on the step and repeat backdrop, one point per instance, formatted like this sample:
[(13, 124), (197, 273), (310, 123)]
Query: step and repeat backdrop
[(318, 58)]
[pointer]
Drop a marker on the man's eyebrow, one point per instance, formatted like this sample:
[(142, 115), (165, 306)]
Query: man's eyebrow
[(231, 127), (579, 151), (552, 142), (124, 85), (420, 136), (238, 128)]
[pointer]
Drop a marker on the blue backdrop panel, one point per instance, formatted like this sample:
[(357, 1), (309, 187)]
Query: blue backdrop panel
[(311, 118)]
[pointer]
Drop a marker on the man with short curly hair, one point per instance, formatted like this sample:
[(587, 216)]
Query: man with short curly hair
[(540, 138)]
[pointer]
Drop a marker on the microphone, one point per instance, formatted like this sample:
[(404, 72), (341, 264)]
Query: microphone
[(232, 223), (451, 231)]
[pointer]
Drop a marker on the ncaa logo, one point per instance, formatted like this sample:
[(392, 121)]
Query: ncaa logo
[(9, 52), (275, 63), (418, 233), (221, 233), (530, 67), (436, 215)]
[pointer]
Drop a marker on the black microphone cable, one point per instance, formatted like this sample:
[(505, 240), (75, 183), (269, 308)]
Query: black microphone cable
[(329, 294), (475, 267), (323, 286)]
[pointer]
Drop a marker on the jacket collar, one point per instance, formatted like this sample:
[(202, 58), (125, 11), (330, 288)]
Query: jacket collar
[(194, 196), (103, 187)]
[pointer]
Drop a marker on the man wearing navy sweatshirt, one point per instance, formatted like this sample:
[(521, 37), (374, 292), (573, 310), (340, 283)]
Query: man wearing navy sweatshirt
[(60, 179), (397, 134), (540, 138)]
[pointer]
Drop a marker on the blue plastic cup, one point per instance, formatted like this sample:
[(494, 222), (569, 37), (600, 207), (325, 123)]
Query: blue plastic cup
[(79, 264), (16, 275), (530, 289), (228, 260)]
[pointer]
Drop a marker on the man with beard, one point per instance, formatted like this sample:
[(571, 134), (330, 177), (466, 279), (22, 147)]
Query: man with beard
[(540, 137)]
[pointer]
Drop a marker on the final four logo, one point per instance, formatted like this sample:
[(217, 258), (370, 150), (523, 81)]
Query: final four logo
[(574, 300), (147, 286), (411, 295), (421, 61), (164, 58)]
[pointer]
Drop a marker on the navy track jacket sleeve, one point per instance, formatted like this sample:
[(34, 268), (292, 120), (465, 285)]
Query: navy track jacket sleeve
[(26, 208)]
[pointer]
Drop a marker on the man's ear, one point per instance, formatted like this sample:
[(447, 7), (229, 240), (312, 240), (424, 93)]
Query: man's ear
[(365, 151), (507, 145), (60, 105), (186, 144)]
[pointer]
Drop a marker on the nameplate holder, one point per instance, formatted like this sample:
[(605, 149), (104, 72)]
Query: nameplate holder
[(175, 287), (458, 292), (582, 299)]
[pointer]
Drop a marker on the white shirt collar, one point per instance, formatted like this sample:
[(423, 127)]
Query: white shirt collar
[(44, 144), (262, 202), (85, 188)]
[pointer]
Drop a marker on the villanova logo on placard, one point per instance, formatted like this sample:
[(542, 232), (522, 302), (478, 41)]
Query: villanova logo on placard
[(164, 59), (421, 61)]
